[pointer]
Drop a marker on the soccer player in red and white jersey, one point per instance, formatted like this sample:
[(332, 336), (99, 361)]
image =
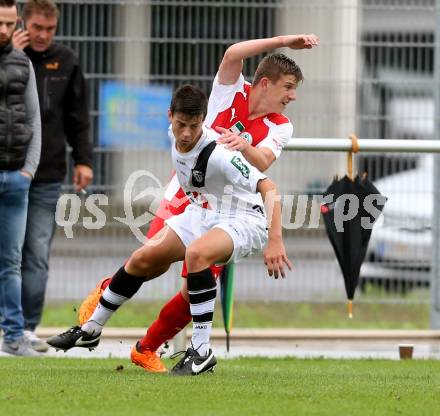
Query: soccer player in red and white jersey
[(251, 120), (219, 233)]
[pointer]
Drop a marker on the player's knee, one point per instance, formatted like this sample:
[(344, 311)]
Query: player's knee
[(140, 261), (195, 259)]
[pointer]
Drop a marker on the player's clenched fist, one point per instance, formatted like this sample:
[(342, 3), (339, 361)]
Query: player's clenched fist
[(300, 41)]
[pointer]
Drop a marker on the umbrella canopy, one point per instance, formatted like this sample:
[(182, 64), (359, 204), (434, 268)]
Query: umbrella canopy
[(349, 210)]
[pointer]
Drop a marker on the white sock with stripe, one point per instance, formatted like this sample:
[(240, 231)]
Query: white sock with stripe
[(121, 288), (202, 291)]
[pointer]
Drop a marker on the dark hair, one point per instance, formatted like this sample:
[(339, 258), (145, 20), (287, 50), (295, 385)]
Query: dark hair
[(47, 8), (273, 66), (189, 100), (7, 3)]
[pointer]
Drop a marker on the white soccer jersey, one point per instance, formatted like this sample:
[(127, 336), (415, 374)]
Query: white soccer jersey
[(228, 107), (229, 184)]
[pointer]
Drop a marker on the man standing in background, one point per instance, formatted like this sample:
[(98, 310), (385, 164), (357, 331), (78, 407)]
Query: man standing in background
[(64, 115), (20, 144)]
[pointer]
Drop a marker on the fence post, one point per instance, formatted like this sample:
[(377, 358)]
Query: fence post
[(435, 262)]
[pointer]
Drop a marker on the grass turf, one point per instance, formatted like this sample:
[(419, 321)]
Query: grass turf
[(268, 315), (247, 386)]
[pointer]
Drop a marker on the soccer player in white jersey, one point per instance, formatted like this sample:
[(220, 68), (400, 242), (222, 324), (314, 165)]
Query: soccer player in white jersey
[(250, 116), (233, 227)]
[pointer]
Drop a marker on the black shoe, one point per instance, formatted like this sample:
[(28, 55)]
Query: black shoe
[(74, 337), (192, 364)]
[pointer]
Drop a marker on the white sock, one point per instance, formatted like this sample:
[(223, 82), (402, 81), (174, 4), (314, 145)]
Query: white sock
[(102, 313), (200, 337), (202, 289)]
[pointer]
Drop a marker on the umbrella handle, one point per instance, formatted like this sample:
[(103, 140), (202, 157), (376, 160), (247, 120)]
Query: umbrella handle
[(354, 149), (350, 309)]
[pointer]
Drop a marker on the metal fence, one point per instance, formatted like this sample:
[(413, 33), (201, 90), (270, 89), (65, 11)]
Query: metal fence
[(372, 74)]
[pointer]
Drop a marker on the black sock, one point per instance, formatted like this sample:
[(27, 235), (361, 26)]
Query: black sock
[(121, 288)]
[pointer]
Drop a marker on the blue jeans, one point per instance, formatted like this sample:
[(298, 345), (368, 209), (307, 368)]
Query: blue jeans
[(40, 228), (14, 188)]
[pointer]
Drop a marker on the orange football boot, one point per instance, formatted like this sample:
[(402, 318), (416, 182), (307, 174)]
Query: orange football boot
[(148, 360), (90, 302)]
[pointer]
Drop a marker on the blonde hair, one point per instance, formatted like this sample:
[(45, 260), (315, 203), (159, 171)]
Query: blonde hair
[(273, 66)]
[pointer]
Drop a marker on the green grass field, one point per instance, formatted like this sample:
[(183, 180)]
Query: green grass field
[(62, 386), (269, 315)]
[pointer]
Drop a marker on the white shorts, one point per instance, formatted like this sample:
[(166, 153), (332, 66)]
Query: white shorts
[(248, 233)]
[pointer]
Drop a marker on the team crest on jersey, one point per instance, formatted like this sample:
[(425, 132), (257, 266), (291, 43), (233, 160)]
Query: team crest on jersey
[(242, 167), (197, 177)]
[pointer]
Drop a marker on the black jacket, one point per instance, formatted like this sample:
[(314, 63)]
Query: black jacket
[(15, 133), (64, 111)]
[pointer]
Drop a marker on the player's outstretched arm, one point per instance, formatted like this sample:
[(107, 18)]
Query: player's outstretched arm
[(275, 257), (232, 63)]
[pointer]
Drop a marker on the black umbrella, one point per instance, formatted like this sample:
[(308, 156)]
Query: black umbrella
[(350, 209)]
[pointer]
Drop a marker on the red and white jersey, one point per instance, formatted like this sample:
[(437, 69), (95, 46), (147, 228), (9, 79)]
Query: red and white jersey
[(228, 107)]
